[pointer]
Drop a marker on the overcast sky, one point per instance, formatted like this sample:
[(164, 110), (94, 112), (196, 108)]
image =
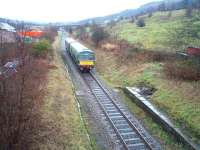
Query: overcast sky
[(63, 10)]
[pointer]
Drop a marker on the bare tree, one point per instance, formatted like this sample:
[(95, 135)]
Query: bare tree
[(20, 116), (98, 35)]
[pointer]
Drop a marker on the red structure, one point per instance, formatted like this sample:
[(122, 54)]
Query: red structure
[(192, 51), (33, 33)]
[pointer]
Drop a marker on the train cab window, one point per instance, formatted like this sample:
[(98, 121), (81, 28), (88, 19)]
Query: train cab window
[(87, 56)]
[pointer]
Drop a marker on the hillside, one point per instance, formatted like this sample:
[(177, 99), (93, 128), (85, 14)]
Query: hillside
[(146, 8), (125, 13), (158, 32)]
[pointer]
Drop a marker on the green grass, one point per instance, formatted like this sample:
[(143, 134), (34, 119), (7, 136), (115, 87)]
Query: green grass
[(156, 35), (180, 105), (176, 98)]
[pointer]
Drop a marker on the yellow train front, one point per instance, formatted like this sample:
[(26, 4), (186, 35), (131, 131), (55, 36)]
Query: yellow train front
[(86, 61), (81, 55)]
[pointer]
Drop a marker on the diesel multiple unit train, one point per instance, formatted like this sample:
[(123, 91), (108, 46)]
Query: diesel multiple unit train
[(83, 57)]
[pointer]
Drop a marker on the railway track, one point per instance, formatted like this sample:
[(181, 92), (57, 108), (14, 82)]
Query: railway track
[(126, 129)]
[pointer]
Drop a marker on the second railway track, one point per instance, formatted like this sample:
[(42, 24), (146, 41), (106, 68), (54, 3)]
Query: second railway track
[(127, 130)]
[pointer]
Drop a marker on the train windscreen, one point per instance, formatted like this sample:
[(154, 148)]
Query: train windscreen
[(86, 56)]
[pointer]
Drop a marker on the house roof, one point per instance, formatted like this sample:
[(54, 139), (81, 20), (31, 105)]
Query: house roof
[(7, 27)]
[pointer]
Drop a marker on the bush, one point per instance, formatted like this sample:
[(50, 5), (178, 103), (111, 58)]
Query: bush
[(41, 48), (81, 33), (169, 14), (98, 35), (140, 22), (188, 12), (150, 14), (185, 70), (160, 56)]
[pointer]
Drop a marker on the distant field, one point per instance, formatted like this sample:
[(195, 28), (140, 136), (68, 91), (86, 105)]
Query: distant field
[(156, 34)]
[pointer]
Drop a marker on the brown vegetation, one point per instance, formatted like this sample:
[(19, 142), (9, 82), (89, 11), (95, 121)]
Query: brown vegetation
[(126, 51), (21, 97), (184, 70)]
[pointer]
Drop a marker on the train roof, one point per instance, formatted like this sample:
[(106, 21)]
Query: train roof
[(70, 40), (80, 48)]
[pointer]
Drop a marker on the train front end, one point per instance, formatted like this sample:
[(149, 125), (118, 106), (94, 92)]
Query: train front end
[(86, 60)]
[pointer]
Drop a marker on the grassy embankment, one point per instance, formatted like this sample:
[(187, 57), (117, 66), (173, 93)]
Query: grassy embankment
[(66, 129), (157, 33), (179, 99)]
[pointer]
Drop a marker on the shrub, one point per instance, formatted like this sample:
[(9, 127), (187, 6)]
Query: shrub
[(185, 70), (169, 14), (81, 33), (160, 56), (143, 55), (140, 22), (150, 14), (98, 35), (188, 12), (41, 48)]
